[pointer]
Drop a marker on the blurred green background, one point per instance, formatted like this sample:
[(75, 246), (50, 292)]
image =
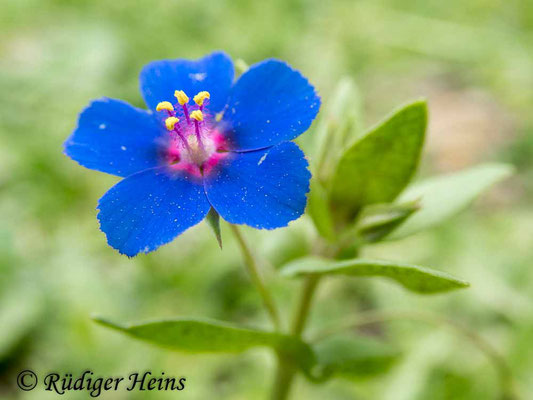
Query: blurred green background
[(472, 59)]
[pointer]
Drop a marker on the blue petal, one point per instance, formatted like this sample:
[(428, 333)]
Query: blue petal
[(269, 104), (115, 137), (149, 209), (213, 73), (263, 189)]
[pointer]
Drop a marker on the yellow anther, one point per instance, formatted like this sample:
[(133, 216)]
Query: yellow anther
[(200, 97), (197, 115), (164, 105), (181, 96), (170, 122)]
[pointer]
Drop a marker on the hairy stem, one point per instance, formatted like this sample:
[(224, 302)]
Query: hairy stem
[(250, 261), (285, 372), (302, 311), (283, 380)]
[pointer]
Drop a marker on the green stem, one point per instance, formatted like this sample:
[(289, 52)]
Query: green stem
[(372, 317), (285, 371), (302, 311), (253, 270), (283, 380)]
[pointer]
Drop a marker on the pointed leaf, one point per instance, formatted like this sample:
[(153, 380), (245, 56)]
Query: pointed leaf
[(354, 357), (379, 220), (443, 196), (206, 336), (377, 167), (213, 219), (412, 277), (318, 209)]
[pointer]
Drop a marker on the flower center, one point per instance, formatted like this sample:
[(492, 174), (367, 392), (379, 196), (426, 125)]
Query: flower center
[(194, 143)]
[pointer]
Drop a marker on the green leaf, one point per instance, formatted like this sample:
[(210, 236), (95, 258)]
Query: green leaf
[(412, 277), (337, 128), (353, 357), (443, 196), (318, 209), (207, 336), (379, 220), (377, 167), (213, 219)]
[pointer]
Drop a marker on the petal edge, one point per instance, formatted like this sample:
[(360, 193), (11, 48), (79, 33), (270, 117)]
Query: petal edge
[(213, 72), (149, 209), (269, 104), (114, 137)]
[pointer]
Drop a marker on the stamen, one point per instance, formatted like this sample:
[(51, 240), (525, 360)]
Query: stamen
[(170, 122), (183, 99), (201, 97), (175, 128), (165, 105), (197, 115), (183, 139), (193, 147)]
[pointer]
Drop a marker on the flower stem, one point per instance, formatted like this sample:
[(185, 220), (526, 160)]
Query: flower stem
[(253, 270), (285, 372), (283, 380), (302, 311)]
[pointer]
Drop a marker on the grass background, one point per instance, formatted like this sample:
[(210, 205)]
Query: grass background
[(472, 59)]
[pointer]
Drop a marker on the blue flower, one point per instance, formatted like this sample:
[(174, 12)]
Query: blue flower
[(229, 147)]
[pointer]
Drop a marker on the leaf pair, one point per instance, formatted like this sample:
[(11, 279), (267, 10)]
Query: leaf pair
[(375, 170), (348, 357)]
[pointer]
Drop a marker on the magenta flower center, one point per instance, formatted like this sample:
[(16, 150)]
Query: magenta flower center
[(194, 143)]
